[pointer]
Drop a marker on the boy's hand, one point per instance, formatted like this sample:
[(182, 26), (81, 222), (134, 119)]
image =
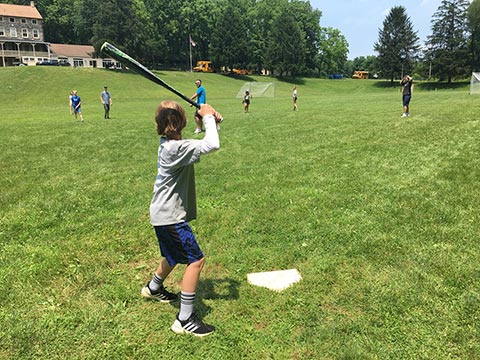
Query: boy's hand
[(206, 109)]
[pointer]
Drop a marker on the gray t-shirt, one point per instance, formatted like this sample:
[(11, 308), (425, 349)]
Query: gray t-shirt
[(106, 97), (174, 199)]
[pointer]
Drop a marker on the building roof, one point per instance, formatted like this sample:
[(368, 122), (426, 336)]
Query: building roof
[(84, 51), (23, 11)]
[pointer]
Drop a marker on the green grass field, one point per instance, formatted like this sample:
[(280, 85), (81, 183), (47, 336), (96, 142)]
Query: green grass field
[(380, 215)]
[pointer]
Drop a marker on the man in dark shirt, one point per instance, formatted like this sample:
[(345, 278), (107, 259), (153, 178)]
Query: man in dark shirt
[(407, 90)]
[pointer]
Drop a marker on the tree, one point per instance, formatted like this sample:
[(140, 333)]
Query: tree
[(286, 52), (473, 14), (58, 22), (333, 51), (200, 17), (261, 18), (348, 68), (169, 32), (397, 44), (308, 20), (119, 22), (83, 20), (230, 45), (447, 48)]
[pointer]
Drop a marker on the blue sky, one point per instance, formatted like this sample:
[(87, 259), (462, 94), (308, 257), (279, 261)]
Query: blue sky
[(360, 20)]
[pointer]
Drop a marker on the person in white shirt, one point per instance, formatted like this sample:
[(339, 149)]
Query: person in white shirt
[(295, 97)]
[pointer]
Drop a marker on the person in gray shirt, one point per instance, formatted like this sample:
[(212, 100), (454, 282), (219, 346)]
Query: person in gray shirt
[(106, 100), (172, 207)]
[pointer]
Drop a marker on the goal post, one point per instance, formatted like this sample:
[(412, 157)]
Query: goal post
[(475, 83), (257, 89)]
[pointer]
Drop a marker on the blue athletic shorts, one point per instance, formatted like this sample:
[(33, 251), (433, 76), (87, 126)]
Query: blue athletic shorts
[(406, 100), (178, 244)]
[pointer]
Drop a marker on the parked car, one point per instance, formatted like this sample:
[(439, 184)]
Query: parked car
[(53, 63), (45, 63), (63, 63)]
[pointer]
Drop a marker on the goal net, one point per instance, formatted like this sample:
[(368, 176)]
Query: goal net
[(475, 83), (257, 89)]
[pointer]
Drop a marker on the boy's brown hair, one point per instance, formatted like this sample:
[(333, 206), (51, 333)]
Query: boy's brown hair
[(170, 119)]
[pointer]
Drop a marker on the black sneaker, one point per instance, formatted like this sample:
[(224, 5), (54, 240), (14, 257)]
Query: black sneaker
[(161, 295), (193, 326)]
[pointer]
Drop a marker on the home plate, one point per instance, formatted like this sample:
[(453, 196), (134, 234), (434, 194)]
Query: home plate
[(275, 280)]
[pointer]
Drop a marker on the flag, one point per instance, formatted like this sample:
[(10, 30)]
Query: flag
[(193, 43)]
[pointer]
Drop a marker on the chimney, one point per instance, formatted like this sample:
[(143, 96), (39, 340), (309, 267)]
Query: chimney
[(32, 3)]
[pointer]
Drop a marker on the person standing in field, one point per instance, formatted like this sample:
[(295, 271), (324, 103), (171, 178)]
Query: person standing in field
[(106, 100), (173, 206), (246, 101), (407, 90), (201, 96), (294, 97), (77, 105)]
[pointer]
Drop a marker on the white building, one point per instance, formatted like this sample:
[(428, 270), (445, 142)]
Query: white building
[(79, 56)]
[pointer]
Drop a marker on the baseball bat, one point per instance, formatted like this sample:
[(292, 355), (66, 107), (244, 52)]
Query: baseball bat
[(142, 70)]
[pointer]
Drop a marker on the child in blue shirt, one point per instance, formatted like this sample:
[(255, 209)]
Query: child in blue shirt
[(76, 105)]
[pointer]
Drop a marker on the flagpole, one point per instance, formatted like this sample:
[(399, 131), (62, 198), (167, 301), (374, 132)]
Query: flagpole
[(190, 46)]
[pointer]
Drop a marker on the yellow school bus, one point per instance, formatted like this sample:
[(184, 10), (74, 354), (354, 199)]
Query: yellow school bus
[(360, 75)]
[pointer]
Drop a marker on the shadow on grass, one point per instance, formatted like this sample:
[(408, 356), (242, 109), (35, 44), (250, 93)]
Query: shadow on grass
[(441, 85), (239, 77), (211, 289), (225, 289), (285, 79), (425, 85), (290, 80)]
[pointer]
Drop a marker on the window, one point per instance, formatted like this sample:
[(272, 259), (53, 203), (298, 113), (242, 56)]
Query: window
[(106, 63), (35, 33), (25, 33), (34, 21), (1, 18), (2, 31), (13, 32), (24, 21), (78, 62), (12, 19)]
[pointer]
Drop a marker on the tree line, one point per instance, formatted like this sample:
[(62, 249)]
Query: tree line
[(283, 36), (451, 52)]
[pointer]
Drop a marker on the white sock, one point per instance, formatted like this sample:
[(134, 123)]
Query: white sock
[(186, 305), (156, 283)]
